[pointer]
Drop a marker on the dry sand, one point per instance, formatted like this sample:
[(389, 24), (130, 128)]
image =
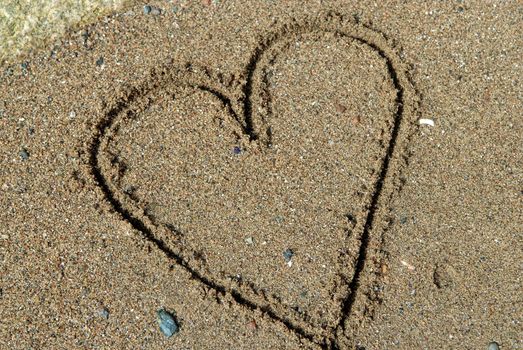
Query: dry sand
[(258, 170)]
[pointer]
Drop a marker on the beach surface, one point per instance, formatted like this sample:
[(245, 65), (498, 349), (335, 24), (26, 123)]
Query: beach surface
[(266, 174)]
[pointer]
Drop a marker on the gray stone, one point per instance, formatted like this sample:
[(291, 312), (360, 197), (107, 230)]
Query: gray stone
[(493, 346), (168, 324), (288, 254)]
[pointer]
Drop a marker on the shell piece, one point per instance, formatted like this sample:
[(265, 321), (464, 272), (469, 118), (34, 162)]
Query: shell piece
[(429, 122), (168, 324)]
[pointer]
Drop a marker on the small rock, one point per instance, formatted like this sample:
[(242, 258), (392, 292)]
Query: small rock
[(279, 219), (237, 150), (168, 324), (24, 154), (100, 62), (155, 11), (384, 269), (252, 325), (287, 255), (443, 276), (249, 240), (493, 346), (9, 71), (340, 108), (104, 313), (356, 120)]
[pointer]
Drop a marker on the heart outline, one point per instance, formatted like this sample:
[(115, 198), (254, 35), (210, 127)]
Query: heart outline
[(244, 86)]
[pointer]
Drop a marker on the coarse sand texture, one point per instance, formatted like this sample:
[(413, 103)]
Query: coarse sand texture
[(266, 174)]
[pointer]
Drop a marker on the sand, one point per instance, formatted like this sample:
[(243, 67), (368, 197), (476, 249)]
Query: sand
[(259, 171), (29, 25)]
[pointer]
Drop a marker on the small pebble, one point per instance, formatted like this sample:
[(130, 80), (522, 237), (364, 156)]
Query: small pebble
[(287, 255), (24, 154), (155, 11), (443, 276), (340, 108), (100, 61), (104, 313), (167, 323), (237, 150), (493, 346), (279, 219), (249, 240)]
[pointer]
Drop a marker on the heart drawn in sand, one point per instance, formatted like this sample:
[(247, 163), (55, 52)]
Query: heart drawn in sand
[(265, 186)]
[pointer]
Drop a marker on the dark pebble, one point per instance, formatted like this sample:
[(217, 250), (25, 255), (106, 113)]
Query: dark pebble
[(151, 10), (24, 154), (104, 313), (288, 254), (493, 346), (340, 108), (168, 324), (100, 61), (443, 276), (237, 150)]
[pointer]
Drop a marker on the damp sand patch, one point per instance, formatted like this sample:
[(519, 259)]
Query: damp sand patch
[(26, 25)]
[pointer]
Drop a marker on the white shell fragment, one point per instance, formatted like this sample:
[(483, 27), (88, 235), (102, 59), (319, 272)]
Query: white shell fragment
[(424, 121), (407, 265)]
